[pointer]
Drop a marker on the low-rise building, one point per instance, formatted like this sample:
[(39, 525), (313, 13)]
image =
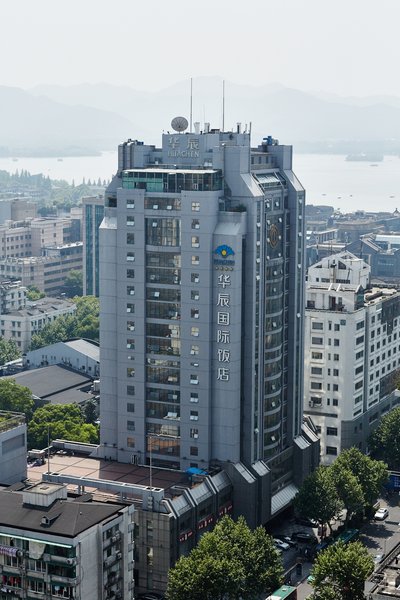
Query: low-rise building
[(80, 355), (12, 296), (57, 384), (12, 447), (19, 325), (48, 272), (54, 546), (352, 352)]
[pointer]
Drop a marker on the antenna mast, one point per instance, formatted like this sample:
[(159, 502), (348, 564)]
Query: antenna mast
[(191, 103), (223, 105)]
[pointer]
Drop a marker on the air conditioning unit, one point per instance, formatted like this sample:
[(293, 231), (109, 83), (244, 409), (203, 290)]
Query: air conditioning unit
[(195, 436), (169, 207), (114, 539), (118, 556), (155, 207)]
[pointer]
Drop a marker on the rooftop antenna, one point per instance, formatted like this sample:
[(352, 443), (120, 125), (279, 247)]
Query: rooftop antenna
[(223, 105), (191, 103)]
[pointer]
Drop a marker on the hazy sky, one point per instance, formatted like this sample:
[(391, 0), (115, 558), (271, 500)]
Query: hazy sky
[(349, 47)]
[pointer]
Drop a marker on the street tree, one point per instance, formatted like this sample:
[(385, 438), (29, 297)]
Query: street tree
[(371, 474), (8, 351), (384, 442), (344, 569), (317, 498), (348, 489), (16, 398), (229, 563)]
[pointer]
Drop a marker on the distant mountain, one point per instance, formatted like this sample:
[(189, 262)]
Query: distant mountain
[(101, 115), (37, 124)]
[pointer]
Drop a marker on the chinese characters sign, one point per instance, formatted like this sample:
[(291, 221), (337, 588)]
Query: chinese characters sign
[(223, 323), (190, 150)]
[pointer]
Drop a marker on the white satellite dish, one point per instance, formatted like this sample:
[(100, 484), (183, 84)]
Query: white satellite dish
[(179, 124)]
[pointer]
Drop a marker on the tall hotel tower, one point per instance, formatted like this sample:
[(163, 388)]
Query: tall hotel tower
[(201, 294)]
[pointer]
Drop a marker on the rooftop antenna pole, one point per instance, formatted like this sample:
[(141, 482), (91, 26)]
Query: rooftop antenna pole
[(191, 103), (48, 449), (223, 105)]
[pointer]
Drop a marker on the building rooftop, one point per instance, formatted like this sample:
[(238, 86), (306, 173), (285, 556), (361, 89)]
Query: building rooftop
[(95, 468), (63, 517), (86, 347), (40, 307), (56, 384)]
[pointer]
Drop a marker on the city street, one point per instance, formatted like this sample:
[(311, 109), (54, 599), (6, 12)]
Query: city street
[(380, 537)]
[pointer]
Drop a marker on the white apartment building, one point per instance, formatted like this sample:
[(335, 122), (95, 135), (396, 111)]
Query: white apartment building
[(352, 352), (53, 546), (19, 325)]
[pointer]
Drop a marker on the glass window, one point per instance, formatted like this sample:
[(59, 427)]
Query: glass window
[(194, 313), (318, 341), (130, 425), (194, 451), (195, 206), (130, 390), (194, 331), (195, 241), (130, 442), (195, 278), (130, 256), (130, 221), (130, 238), (332, 450), (130, 407), (316, 370), (194, 295), (195, 260), (130, 273), (317, 325), (163, 232)]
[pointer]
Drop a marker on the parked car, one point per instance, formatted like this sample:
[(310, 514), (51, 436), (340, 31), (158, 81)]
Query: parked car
[(381, 514), (304, 537), (280, 544), (287, 539), (306, 522)]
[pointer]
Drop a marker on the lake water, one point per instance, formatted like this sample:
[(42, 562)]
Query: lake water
[(328, 179)]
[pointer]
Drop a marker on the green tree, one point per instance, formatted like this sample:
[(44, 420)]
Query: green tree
[(87, 317), (83, 323), (342, 568), (349, 489), (73, 284), (8, 351), (33, 293), (16, 398), (317, 498), (63, 421), (229, 563), (384, 442), (371, 474), (90, 412)]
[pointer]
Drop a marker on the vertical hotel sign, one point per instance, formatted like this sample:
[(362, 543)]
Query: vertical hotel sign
[(224, 262)]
